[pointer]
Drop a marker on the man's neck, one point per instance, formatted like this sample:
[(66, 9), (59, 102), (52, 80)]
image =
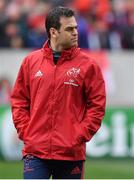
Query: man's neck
[(55, 47)]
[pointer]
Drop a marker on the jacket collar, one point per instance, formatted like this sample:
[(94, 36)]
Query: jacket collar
[(65, 55)]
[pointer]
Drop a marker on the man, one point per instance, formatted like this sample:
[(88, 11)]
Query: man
[(58, 102)]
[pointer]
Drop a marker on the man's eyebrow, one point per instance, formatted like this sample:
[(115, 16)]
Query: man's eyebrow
[(71, 27)]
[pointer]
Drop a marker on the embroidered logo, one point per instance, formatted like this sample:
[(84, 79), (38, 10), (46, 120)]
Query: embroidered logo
[(73, 72), (38, 74), (76, 170), (71, 82)]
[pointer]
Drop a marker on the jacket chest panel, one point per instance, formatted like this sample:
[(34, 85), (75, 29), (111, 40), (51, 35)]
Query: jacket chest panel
[(58, 76)]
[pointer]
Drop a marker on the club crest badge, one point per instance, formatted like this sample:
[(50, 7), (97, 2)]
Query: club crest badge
[(73, 72)]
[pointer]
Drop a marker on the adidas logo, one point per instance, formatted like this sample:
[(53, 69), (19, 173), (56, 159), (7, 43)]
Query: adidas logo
[(38, 74), (76, 170)]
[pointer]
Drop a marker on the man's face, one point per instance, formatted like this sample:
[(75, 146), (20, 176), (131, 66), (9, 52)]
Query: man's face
[(67, 35)]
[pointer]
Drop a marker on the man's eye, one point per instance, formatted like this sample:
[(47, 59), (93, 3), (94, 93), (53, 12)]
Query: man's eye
[(71, 29)]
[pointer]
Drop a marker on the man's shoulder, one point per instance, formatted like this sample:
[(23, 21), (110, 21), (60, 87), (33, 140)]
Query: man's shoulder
[(34, 54), (85, 57), (33, 57)]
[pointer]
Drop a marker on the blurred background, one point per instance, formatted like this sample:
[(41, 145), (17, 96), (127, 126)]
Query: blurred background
[(106, 32)]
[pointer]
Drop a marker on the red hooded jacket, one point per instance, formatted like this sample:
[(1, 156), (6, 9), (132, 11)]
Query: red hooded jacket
[(58, 108)]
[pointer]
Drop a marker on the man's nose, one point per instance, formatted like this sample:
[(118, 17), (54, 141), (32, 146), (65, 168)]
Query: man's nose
[(75, 31)]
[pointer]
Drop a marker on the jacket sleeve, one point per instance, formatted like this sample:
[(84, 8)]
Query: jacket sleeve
[(95, 104), (20, 100)]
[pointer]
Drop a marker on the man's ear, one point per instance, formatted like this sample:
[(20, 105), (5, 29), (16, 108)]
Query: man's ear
[(53, 32)]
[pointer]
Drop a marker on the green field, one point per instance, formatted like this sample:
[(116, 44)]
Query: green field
[(94, 169)]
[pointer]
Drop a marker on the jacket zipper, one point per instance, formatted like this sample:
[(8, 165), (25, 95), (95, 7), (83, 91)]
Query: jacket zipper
[(53, 101)]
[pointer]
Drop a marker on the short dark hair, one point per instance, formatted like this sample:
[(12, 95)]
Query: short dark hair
[(53, 17)]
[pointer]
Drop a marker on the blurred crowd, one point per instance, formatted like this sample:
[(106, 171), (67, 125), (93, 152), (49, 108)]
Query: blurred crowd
[(102, 24)]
